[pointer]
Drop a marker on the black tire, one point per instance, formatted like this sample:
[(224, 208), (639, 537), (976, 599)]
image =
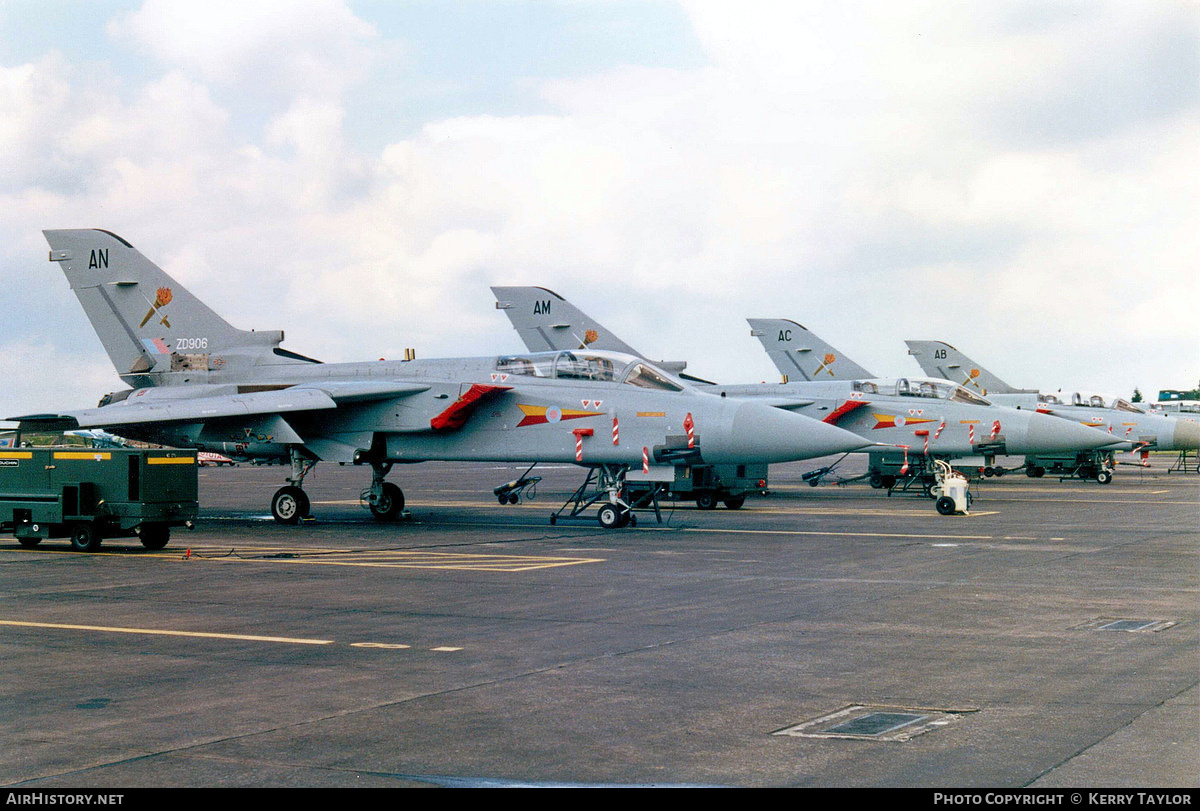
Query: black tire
[(1104, 476), (289, 505), (945, 505), (632, 520), (1031, 471), (553, 519), (84, 537), (503, 499), (734, 502), (1039, 472), (514, 498), (609, 516), (390, 503), (29, 543), (1000, 472), (706, 501), (155, 537), (989, 472), (887, 481), (875, 480)]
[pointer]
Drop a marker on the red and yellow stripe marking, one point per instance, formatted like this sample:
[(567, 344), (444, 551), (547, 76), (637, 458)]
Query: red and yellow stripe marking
[(897, 421), (540, 415)]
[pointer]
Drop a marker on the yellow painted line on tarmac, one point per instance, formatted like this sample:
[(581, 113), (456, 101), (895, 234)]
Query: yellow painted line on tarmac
[(205, 635), (382, 559), (160, 632), (920, 536)]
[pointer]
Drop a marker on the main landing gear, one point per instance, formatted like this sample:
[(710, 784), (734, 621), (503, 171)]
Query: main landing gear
[(384, 499), (290, 504)]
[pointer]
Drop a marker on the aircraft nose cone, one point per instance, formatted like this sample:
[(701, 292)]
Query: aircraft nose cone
[(1050, 434), (1187, 435), (763, 433)]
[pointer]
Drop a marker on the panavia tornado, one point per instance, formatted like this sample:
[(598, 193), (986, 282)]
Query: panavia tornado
[(1119, 419), (921, 419), (198, 382)]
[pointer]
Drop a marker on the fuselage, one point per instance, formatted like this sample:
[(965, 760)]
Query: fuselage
[(927, 416), (592, 408)]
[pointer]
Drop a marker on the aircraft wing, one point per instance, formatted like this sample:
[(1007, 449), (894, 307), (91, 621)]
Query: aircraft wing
[(162, 409)]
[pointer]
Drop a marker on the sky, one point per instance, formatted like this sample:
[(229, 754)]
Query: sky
[(1018, 178)]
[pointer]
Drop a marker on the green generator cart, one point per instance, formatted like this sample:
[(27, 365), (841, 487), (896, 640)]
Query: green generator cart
[(90, 494)]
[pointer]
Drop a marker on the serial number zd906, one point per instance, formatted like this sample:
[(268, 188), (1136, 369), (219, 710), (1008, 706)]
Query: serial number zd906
[(183, 344)]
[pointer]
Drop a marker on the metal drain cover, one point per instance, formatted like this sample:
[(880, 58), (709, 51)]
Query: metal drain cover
[(873, 723), (1130, 625), (876, 723)]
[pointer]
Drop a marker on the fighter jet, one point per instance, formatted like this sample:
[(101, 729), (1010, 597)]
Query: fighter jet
[(920, 420), (1117, 418), (201, 383)]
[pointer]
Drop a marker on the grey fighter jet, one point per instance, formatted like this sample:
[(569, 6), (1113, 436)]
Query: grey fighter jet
[(924, 419), (1124, 422), (199, 382)]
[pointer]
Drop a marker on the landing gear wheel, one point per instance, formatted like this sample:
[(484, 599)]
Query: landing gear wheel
[(706, 501), (289, 504), (1104, 476), (84, 538), (735, 502), (609, 516), (389, 504), (945, 505), (29, 543), (155, 537)]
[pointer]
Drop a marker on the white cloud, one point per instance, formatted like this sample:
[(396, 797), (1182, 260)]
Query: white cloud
[(298, 47)]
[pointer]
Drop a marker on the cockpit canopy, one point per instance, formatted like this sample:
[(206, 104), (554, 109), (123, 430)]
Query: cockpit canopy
[(1100, 401), (932, 389), (613, 367)]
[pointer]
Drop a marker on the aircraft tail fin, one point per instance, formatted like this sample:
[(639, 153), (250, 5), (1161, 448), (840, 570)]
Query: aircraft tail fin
[(940, 359), (798, 352), (548, 322), (148, 323)]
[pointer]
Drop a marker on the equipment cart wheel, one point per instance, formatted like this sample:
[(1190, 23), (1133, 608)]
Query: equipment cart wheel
[(84, 537), (390, 503), (155, 537), (609, 516), (1104, 476), (734, 502), (289, 505), (706, 501), (945, 505), (29, 543)]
